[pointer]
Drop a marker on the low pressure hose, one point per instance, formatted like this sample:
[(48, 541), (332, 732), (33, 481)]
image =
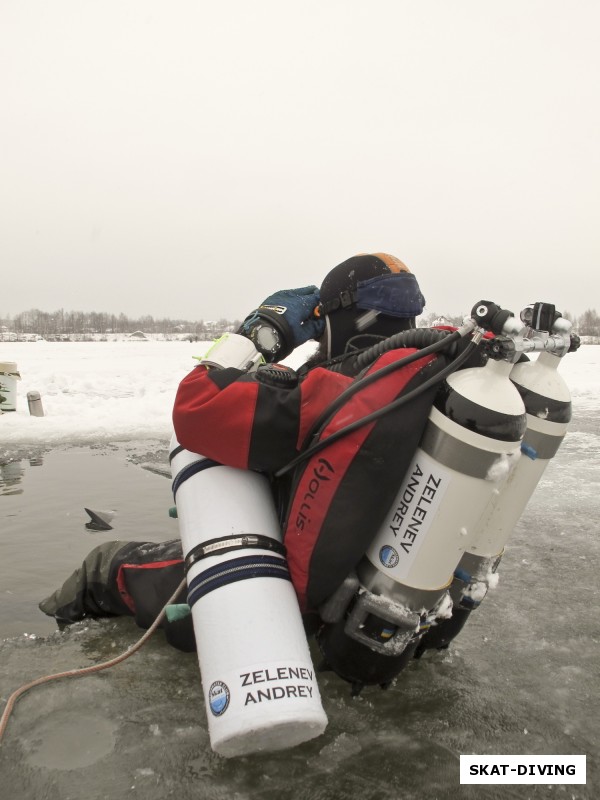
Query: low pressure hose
[(431, 341), (420, 338), (439, 344)]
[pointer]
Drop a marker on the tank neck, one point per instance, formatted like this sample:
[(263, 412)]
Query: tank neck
[(499, 367), (550, 360)]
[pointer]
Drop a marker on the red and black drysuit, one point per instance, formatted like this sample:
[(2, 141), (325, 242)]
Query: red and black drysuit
[(331, 505)]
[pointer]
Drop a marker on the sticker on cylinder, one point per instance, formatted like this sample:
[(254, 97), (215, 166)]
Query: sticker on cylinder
[(389, 556), (218, 698), (410, 517)]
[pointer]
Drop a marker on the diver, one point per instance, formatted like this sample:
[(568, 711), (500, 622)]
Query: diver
[(267, 419)]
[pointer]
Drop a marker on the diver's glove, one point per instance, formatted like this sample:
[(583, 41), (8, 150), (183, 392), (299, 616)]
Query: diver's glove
[(284, 321)]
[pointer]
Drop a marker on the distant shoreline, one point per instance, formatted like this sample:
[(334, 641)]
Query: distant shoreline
[(147, 337), (102, 337)]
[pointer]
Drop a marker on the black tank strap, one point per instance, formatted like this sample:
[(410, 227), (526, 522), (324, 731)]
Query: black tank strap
[(225, 544)]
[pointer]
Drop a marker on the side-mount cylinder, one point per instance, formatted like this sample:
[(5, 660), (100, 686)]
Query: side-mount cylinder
[(259, 683)]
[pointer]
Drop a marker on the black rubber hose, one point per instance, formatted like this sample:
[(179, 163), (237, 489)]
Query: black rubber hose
[(414, 337), (321, 444), (431, 341)]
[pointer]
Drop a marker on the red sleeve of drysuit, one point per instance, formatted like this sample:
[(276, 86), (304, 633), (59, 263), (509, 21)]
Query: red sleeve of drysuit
[(234, 419), (215, 421)]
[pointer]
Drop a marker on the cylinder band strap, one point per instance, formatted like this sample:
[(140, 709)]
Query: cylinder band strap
[(238, 569), (218, 547), (192, 469), (179, 449)]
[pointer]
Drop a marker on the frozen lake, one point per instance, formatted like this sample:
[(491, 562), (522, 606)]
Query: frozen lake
[(523, 677)]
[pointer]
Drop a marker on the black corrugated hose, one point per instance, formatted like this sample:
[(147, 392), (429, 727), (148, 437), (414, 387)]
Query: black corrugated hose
[(430, 340)]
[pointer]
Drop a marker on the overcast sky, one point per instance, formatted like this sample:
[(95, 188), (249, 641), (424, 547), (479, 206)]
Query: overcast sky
[(185, 158)]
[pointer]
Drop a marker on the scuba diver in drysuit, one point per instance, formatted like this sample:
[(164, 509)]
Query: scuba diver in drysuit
[(260, 422), (336, 439)]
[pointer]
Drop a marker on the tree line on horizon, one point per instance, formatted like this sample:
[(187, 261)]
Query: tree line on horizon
[(63, 322), (80, 323)]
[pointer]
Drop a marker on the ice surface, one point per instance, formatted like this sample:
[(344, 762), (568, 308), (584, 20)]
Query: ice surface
[(99, 391), (117, 391)]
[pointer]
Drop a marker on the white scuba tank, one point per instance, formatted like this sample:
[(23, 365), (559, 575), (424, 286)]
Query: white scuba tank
[(259, 682), (473, 433), (548, 405)]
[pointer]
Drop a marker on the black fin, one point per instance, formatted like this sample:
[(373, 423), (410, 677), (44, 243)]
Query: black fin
[(98, 522)]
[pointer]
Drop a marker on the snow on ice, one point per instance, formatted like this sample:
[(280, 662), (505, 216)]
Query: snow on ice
[(95, 392)]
